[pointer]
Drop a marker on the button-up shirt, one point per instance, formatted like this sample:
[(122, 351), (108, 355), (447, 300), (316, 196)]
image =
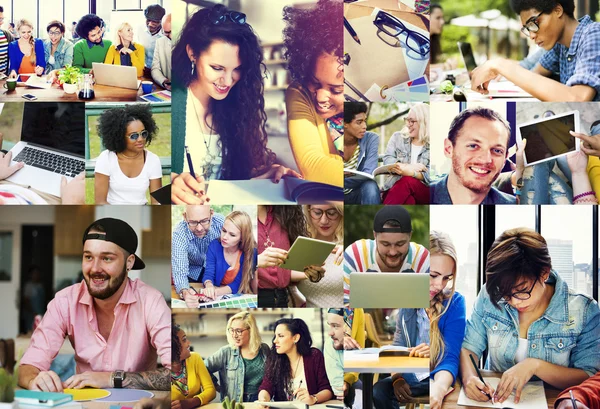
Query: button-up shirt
[(439, 194)]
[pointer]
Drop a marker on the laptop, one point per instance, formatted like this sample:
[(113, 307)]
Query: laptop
[(497, 89), (389, 290), (52, 145), (120, 76)]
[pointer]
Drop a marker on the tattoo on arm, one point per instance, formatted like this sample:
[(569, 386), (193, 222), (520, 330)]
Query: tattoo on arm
[(158, 380)]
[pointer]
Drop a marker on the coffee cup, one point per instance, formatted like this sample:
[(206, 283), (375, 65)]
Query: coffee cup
[(10, 84), (147, 87)]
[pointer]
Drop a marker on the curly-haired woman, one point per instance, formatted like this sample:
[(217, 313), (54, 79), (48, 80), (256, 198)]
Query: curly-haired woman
[(26, 55), (126, 169)]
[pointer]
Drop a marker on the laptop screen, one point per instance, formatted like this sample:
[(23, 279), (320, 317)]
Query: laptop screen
[(467, 54), (55, 125)]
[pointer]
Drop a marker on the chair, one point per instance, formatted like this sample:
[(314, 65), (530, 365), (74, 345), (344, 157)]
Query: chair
[(418, 400)]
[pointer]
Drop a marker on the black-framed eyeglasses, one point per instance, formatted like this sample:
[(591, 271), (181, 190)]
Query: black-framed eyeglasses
[(237, 331), (219, 14), (194, 223), (136, 135), (523, 295), (54, 33), (331, 214), (393, 27), (531, 25)]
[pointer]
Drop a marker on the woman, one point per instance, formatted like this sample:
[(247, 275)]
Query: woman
[(26, 55), (447, 317), (230, 260), (125, 51), (191, 385), (529, 322), (125, 171), (325, 222), (438, 62), (408, 152), (241, 364), (58, 51), (314, 51), (294, 370), (218, 111)]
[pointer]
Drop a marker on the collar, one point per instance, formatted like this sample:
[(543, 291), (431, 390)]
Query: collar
[(131, 47), (128, 296), (442, 196), (90, 44), (578, 35)]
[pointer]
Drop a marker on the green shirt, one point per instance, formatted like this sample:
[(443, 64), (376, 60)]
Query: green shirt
[(255, 370), (84, 56)]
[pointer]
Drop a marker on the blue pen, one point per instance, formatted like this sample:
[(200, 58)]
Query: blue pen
[(189, 161)]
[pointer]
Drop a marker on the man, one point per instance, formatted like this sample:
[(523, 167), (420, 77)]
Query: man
[(391, 250), (117, 326), (360, 153), (341, 383), (477, 144), (199, 227), (586, 394), (161, 63), (91, 48), (5, 39), (154, 14), (572, 45)]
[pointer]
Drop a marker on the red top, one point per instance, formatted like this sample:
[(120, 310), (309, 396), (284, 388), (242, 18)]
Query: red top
[(272, 277), (588, 392)]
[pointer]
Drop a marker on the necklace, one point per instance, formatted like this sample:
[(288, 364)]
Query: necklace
[(267, 225), (130, 157), (297, 363), (207, 166)]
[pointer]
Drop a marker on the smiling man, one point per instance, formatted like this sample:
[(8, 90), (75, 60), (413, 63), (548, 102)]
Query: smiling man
[(117, 326), (477, 144), (92, 47), (154, 14)]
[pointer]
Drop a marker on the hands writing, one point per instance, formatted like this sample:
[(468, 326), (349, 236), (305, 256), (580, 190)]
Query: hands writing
[(515, 378), (476, 390), (187, 190)]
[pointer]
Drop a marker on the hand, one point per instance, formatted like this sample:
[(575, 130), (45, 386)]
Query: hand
[(577, 162), (73, 192), (345, 389), (13, 75), (39, 70), (190, 298), (6, 169), (46, 381), (126, 50), (147, 403), (397, 168), (209, 290), (167, 85), (175, 404), (401, 389), (350, 343), (53, 76), (187, 190), (515, 378), (476, 390), (482, 75), (420, 351), (277, 172), (566, 404), (338, 252), (272, 257), (314, 273), (302, 395), (520, 159), (99, 380), (590, 145), (437, 393)]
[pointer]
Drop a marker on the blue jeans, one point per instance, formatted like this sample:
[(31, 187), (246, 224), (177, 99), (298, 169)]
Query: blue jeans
[(383, 391), (367, 193), (546, 187)]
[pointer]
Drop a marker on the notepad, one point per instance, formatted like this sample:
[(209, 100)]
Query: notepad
[(532, 397), (373, 354), (38, 398)]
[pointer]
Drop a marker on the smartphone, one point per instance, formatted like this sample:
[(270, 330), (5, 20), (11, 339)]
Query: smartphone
[(29, 97)]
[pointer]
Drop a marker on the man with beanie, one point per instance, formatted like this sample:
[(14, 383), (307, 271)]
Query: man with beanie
[(154, 14), (117, 326)]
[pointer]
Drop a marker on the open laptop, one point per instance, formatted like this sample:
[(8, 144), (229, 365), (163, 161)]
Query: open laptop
[(52, 145), (120, 76), (389, 290), (497, 89)]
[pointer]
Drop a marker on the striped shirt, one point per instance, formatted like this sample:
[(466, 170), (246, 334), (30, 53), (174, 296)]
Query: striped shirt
[(3, 53), (361, 256), (352, 164), (188, 252)]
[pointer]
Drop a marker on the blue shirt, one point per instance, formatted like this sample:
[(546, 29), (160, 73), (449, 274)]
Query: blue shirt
[(188, 252), (566, 334), (15, 56), (452, 328), (417, 326), (62, 56), (367, 159), (579, 64), (439, 194), (216, 267)]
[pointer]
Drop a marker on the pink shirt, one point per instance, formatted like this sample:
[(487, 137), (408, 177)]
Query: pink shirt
[(272, 277), (141, 330)]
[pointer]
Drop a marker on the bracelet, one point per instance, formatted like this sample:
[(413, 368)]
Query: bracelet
[(316, 399), (589, 193), (586, 200), (518, 192)]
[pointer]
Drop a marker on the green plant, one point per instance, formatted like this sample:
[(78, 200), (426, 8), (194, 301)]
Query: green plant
[(8, 383), (69, 74), (231, 404)]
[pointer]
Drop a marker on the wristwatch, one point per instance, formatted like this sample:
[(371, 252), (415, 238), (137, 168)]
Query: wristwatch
[(117, 378)]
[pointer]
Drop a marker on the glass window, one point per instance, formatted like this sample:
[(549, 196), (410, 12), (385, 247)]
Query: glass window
[(50, 10), (6, 248), (128, 4), (7, 16), (28, 10), (511, 216), (74, 10)]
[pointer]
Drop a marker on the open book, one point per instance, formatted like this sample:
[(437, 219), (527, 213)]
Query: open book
[(373, 354), (532, 397), (381, 170)]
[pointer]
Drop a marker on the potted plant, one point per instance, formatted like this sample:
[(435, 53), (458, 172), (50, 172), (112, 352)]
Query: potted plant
[(68, 77), (8, 383)]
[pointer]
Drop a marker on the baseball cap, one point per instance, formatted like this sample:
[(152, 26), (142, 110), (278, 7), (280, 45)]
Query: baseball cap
[(118, 232), (397, 214), (154, 12)]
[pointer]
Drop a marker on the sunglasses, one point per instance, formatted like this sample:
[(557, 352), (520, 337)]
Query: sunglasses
[(393, 27), (219, 14), (136, 135)]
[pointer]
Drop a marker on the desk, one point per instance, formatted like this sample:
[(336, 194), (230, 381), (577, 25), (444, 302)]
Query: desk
[(249, 405), (451, 400), (195, 286), (386, 364), (107, 405)]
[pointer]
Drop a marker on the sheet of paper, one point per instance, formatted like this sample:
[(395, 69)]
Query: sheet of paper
[(247, 192), (532, 397), (366, 354)]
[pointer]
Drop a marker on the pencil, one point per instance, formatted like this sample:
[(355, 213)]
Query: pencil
[(573, 401), (480, 377), (353, 88), (351, 31), (189, 161)]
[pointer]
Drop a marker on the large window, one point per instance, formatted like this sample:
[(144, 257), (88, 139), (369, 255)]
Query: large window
[(509, 217), (50, 10)]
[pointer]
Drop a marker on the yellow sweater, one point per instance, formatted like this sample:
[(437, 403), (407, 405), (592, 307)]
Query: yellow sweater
[(309, 139), (199, 382), (359, 335), (137, 57), (593, 169)]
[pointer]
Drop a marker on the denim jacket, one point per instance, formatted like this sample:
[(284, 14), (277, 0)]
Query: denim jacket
[(566, 334), (398, 151), (62, 56), (229, 363), (417, 326)]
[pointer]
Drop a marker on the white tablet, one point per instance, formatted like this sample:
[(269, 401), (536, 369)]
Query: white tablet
[(306, 252), (549, 138)]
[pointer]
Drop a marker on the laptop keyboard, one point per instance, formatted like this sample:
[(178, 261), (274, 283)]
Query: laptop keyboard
[(52, 162)]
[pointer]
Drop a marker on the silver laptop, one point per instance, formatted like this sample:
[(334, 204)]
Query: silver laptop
[(120, 76), (52, 145), (389, 290)]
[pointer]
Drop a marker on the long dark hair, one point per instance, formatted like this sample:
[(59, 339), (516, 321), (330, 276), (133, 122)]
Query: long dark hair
[(435, 39), (292, 219), (278, 369), (175, 343), (239, 119)]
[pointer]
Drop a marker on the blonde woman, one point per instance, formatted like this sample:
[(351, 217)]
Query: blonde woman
[(125, 52), (447, 317), (26, 55), (241, 363), (408, 150), (229, 260)]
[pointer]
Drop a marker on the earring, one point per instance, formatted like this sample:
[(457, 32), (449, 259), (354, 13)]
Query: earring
[(193, 67)]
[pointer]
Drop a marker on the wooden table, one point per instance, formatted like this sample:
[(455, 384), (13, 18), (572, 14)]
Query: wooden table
[(451, 400), (249, 405), (195, 286), (387, 364)]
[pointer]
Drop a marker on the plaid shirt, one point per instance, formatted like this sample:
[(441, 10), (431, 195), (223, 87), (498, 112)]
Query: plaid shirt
[(399, 150), (580, 63)]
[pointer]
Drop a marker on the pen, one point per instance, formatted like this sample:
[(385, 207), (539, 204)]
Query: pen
[(299, 386), (189, 161), (353, 88), (480, 377), (351, 31), (573, 401), (406, 333)]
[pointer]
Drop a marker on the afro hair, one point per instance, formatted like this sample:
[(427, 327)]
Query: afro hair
[(112, 125)]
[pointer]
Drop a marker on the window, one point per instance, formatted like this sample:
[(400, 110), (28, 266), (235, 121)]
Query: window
[(26, 9), (6, 248), (509, 217), (74, 10), (50, 10)]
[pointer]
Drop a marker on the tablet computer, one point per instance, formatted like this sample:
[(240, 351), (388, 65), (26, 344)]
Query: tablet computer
[(549, 138), (162, 195), (306, 252)]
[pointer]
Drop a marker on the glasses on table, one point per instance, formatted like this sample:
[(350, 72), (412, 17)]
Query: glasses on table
[(194, 223), (237, 331), (393, 27), (331, 214), (219, 14), (531, 25), (136, 135), (522, 295)]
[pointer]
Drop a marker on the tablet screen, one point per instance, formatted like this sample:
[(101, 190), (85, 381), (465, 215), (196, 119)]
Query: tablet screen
[(548, 138)]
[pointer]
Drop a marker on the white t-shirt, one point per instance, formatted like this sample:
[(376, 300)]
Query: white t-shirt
[(125, 190), (414, 153), (521, 353)]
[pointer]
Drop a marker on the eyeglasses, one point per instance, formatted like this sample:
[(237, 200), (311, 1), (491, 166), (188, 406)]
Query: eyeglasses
[(237, 331), (410, 122), (522, 295), (194, 223), (219, 14), (531, 25), (331, 214), (393, 27), (54, 33), (134, 136)]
